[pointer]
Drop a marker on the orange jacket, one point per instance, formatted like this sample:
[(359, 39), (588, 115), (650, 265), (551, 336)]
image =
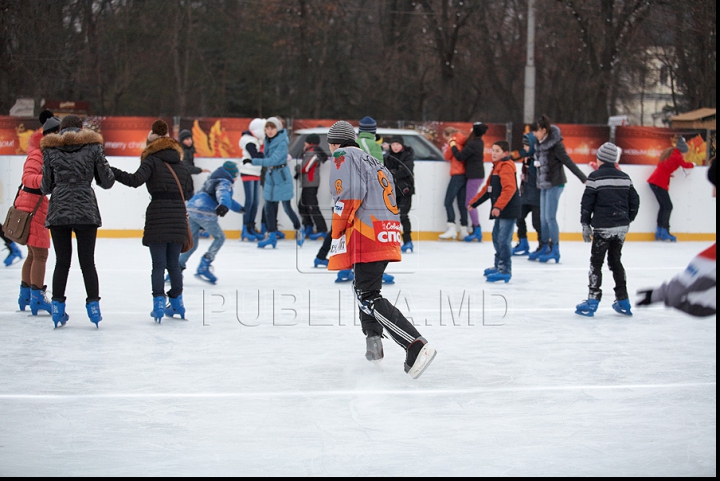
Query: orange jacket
[(456, 167), (507, 174)]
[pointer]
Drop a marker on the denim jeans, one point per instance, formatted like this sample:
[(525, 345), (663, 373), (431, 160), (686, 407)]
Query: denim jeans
[(212, 227), (502, 241), (166, 256), (252, 201), (549, 200), (456, 191), (271, 210)]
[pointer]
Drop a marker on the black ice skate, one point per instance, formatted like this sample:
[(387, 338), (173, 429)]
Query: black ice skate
[(374, 348), (419, 357)]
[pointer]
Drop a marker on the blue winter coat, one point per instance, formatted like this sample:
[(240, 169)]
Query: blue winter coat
[(217, 189), (278, 184)]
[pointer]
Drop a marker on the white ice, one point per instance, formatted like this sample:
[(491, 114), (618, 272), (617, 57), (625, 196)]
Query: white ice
[(268, 375)]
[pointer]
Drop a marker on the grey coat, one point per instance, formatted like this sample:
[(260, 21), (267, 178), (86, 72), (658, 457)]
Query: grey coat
[(551, 157)]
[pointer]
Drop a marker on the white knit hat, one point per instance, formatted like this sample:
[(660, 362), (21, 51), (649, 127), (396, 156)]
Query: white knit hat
[(608, 152), (340, 132)]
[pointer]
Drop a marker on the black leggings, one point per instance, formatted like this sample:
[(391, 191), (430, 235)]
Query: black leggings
[(62, 241), (309, 210), (666, 207), (166, 256), (522, 225), (405, 204)]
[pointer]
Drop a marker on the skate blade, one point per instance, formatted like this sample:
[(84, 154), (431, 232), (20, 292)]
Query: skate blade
[(206, 280), (426, 356)]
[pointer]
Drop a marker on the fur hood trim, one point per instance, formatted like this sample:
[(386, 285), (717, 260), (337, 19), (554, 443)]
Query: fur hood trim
[(71, 138), (163, 143)]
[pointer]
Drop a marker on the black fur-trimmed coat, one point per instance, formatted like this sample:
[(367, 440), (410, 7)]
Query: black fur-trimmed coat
[(165, 217), (71, 160)]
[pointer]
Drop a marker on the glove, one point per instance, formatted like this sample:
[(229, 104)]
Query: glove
[(587, 233), (645, 298), (247, 161), (221, 210)]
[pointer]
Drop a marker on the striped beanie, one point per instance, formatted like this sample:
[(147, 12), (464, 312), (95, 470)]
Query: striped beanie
[(231, 168), (608, 152), (340, 132), (368, 124)]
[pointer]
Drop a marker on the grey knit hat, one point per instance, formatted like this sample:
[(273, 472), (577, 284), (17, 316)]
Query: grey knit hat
[(340, 132), (681, 145), (368, 124), (51, 125), (608, 152)]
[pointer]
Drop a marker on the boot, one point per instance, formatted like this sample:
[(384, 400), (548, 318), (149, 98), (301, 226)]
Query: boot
[(345, 275), (464, 232), (58, 313), (490, 270), (553, 254), (522, 249), (320, 262), (93, 311), (203, 271), (247, 235), (450, 233), (541, 251), (388, 279), (657, 233), (499, 276), (176, 306), (14, 255), (622, 307), (666, 236), (419, 356), (263, 229), (408, 246), (299, 237), (270, 241), (374, 348), (158, 308), (476, 235), (203, 234), (318, 235), (280, 234), (38, 301), (24, 298), (307, 232), (587, 308)]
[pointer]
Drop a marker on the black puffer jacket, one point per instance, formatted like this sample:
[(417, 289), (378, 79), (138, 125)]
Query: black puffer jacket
[(71, 160), (402, 166), (552, 156), (609, 200), (165, 217), (473, 154)]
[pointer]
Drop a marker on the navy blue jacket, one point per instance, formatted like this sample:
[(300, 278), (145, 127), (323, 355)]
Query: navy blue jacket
[(609, 200)]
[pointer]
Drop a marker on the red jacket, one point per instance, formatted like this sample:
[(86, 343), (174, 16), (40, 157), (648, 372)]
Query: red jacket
[(31, 178), (456, 167), (664, 170)]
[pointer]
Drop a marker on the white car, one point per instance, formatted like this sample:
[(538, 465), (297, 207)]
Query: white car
[(423, 148)]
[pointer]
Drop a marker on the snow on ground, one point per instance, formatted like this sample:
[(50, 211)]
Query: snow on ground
[(268, 375)]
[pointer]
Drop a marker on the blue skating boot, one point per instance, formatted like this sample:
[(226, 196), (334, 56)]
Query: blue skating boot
[(320, 262), (490, 270), (93, 311), (408, 246), (587, 308), (176, 306), (280, 235), (270, 241), (263, 230), (158, 308), (622, 307), (247, 235), (299, 238), (204, 234), (38, 301), (499, 276), (657, 233), (318, 235), (24, 298), (345, 275), (14, 255), (388, 279), (522, 249), (58, 313), (307, 232), (475, 236), (666, 236), (553, 254), (203, 271), (542, 250)]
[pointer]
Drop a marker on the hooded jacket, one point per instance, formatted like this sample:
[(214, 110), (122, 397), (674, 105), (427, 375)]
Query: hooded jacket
[(278, 185), (501, 189), (29, 195), (402, 166), (664, 170), (456, 167), (71, 160), (366, 141), (217, 189), (165, 217), (551, 155), (249, 171)]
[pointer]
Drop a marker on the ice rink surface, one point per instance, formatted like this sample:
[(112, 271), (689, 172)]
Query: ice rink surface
[(268, 375)]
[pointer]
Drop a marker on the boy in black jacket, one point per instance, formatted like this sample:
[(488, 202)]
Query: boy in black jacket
[(609, 204)]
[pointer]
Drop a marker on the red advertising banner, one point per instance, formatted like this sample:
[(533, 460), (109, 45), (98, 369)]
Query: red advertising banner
[(583, 141), (216, 137), (433, 131), (15, 134), (643, 145), (123, 136)]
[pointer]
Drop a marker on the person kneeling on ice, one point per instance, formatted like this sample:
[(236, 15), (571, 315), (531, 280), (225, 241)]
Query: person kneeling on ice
[(366, 236), (609, 204), (214, 200), (501, 189)]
